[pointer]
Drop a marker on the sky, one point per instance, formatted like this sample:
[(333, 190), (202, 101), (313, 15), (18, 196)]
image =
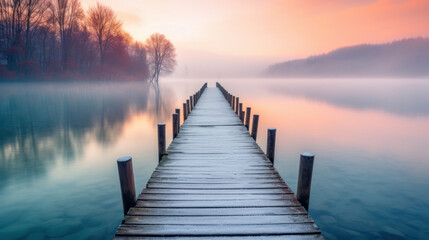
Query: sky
[(230, 38)]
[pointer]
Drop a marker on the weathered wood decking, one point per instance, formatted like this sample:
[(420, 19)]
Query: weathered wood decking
[(216, 183)]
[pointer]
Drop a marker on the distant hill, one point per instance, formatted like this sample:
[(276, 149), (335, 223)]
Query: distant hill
[(404, 58)]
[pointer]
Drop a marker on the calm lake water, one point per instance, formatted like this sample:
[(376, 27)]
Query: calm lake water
[(59, 143)]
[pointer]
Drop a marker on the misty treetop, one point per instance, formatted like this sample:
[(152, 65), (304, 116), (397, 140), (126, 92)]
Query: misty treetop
[(44, 39)]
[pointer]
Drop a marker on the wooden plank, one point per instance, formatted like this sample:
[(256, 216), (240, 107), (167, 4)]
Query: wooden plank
[(212, 151), (236, 168), (189, 164), (224, 156), (226, 176), (217, 191), (199, 197), (220, 204), (212, 181), (217, 220), (264, 237), (217, 186), (241, 211), (215, 230), (226, 171)]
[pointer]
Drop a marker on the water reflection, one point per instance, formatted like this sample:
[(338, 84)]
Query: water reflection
[(406, 97), (44, 122)]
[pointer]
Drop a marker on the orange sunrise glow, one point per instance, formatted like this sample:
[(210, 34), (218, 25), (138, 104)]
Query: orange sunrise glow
[(263, 32)]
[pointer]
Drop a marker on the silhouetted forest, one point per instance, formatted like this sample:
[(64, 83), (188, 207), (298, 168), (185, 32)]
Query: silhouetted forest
[(405, 58), (46, 39)]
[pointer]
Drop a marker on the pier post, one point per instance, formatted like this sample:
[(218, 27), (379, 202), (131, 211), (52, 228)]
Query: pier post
[(184, 112), (191, 102), (175, 125), (271, 144), (178, 119), (240, 110), (187, 108), (255, 126), (161, 141), (248, 109), (237, 103), (126, 180), (233, 103), (304, 179)]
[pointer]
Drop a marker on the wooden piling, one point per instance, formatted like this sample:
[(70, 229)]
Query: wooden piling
[(271, 144), (240, 110), (304, 179), (187, 108), (175, 125), (248, 109), (178, 119), (255, 126), (185, 111), (191, 101), (233, 103), (237, 103), (161, 141), (126, 179)]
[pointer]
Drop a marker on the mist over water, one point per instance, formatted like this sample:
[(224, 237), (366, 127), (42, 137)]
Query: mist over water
[(60, 141), (406, 97)]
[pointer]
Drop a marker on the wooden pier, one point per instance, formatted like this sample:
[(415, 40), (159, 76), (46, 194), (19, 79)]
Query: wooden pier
[(215, 182)]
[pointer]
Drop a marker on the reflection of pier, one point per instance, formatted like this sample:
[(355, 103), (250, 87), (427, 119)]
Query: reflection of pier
[(214, 182)]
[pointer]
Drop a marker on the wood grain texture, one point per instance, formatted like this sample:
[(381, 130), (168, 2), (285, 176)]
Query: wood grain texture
[(258, 237), (215, 182)]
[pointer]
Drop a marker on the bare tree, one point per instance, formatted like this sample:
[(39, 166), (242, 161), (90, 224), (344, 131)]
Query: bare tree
[(12, 26), (104, 24), (34, 16), (67, 14), (161, 56)]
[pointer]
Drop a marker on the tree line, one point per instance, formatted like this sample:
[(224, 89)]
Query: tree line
[(58, 39)]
